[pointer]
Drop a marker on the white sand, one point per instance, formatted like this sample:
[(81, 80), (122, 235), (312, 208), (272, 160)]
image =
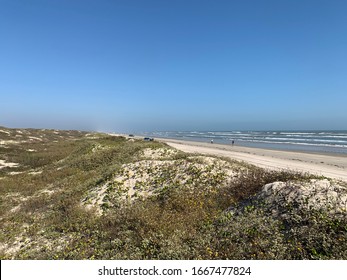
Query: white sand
[(4, 164), (332, 166), (4, 131)]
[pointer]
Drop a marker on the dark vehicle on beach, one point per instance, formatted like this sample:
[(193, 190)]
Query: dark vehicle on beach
[(148, 139), (131, 135)]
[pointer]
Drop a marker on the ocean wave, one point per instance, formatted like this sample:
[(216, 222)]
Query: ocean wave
[(307, 140), (296, 143), (304, 138), (299, 133)]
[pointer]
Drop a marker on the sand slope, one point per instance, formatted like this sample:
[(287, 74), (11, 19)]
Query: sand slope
[(332, 166)]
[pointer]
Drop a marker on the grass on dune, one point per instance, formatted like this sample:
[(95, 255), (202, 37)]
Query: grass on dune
[(42, 216)]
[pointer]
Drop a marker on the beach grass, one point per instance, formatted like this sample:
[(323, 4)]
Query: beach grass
[(80, 195)]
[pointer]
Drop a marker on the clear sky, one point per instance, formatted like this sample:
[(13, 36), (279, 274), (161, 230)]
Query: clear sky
[(147, 65)]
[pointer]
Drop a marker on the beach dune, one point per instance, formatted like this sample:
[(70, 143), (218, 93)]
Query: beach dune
[(329, 165)]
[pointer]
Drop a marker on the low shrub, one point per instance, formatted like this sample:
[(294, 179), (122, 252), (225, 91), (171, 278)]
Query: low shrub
[(43, 218)]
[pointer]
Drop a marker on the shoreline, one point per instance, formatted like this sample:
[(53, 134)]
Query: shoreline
[(329, 165), (247, 147), (327, 142)]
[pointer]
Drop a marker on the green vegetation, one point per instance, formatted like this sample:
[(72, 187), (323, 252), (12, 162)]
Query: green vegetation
[(180, 207)]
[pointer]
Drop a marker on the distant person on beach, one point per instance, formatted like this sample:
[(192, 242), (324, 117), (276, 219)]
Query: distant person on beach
[(232, 143), (212, 141)]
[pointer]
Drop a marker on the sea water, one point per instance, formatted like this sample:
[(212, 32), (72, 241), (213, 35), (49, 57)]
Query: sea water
[(306, 141)]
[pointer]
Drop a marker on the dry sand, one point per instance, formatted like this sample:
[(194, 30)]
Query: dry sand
[(4, 164), (329, 165)]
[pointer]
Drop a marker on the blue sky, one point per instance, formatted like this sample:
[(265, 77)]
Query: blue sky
[(142, 65)]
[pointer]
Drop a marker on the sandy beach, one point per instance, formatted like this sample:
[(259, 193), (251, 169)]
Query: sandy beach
[(329, 165)]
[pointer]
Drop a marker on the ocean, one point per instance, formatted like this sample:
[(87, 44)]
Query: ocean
[(305, 141)]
